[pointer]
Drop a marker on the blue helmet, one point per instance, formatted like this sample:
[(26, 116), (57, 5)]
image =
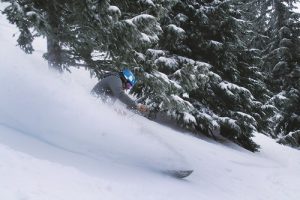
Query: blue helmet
[(129, 76)]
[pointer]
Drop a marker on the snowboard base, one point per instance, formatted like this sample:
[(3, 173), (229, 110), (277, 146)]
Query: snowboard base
[(178, 173)]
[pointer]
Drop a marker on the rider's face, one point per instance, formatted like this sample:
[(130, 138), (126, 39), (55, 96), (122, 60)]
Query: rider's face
[(127, 86)]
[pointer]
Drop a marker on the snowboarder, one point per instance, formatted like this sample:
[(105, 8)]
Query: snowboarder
[(113, 86)]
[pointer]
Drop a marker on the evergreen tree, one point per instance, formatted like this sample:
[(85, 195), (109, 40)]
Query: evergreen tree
[(35, 18), (200, 71), (278, 27), (257, 12), (72, 28)]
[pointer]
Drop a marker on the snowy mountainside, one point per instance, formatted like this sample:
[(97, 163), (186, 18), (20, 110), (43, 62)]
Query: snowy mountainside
[(58, 142)]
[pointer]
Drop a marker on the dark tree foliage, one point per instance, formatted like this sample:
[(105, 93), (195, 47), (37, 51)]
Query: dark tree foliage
[(35, 18), (277, 36), (202, 74), (74, 29)]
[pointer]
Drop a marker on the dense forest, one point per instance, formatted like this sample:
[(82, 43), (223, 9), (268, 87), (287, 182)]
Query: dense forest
[(222, 68)]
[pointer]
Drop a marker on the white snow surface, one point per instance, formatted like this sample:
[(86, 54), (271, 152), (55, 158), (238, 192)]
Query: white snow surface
[(59, 143)]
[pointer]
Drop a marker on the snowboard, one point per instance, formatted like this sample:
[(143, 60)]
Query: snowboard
[(178, 173)]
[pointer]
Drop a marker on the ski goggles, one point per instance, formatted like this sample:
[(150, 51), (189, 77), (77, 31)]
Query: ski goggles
[(128, 86)]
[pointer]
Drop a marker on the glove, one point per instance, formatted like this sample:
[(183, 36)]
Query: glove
[(142, 108)]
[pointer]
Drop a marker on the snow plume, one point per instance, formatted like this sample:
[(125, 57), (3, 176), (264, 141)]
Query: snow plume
[(60, 111)]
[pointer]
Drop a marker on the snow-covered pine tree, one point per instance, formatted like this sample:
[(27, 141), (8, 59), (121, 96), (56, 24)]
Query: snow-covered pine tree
[(200, 72), (278, 26), (288, 128), (256, 13), (135, 32), (72, 28), (35, 18), (287, 70), (88, 34)]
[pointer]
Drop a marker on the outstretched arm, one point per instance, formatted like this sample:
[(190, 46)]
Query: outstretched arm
[(118, 92)]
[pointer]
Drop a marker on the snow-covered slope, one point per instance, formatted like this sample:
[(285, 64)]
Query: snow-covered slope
[(59, 143)]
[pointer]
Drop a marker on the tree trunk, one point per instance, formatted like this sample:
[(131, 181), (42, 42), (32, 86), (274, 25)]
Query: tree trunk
[(279, 13), (53, 46)]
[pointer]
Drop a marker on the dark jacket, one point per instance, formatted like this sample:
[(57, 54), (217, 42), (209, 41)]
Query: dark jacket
[(111, 87)]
